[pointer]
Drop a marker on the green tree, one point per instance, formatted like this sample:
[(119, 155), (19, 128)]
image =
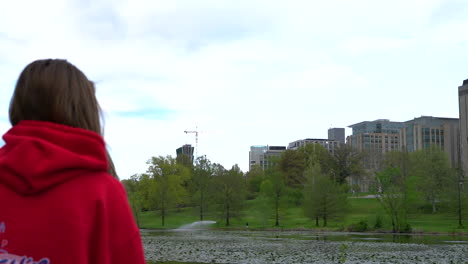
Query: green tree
[(347, 162), (292, 165), (147, 191), (323, 197), (274, 190), (456, 196), (262, 208), (170, 178), (317, 154), (202, 175), (393, 196), (434, 176), (229, 191), (254, 178), (132, 186)]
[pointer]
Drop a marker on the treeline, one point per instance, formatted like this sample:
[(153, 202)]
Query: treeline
[(420, 181), (310, 177)]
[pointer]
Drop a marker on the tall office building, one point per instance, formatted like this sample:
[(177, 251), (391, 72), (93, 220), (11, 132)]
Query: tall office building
[(463, 111), (185, 154), (256, 155), (337, 134), (426, 131), (261, 155), (376, 138)]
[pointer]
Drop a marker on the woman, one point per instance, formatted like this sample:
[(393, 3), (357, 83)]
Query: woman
[(60, 200)]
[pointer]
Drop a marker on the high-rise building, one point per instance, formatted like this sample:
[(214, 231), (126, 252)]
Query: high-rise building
[(381, 135), (376, 138), (256, 155), (463, 111), (425, 131), (261, 155), (185, 154), (329, 145), (337, 134)]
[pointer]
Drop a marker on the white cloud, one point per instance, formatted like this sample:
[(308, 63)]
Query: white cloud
[(360, 45)]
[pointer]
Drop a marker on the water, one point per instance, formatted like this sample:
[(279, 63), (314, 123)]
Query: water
[(218, 246), (370, 237), (199, 225)]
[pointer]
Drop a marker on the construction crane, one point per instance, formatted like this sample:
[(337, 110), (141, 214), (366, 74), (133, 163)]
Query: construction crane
[(196, 139)]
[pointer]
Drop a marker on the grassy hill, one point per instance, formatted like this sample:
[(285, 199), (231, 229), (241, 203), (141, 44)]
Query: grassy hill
[(364, 210)]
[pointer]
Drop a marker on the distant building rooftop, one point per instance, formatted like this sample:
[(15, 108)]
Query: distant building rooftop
[(319, 139), (375, 121), (276, 148), (434, 117)]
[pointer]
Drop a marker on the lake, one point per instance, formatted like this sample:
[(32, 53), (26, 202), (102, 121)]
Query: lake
[(218, 246)]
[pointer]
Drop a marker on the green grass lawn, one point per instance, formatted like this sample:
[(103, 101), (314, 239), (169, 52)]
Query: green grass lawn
[(436, 223), (174, 218), (360, 209)]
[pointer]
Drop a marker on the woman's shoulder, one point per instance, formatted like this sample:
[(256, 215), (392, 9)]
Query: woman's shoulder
[(98, 185)]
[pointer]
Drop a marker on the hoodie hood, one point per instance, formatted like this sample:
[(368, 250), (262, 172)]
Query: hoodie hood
[(40, 155)]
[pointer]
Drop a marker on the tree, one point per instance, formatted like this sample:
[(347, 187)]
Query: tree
[(169, 178), (397, 188), (132, 186), (146, 188), (262, 208), (323, 197), (394, 195), (457, 196), (292, 165), (201, 178), (317, 154), (229, 191), (274, 189), (254, 178), (434, 176), (347, 162)]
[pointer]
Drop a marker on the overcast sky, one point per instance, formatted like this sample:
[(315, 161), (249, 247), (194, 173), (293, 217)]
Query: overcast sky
[(245, 73)]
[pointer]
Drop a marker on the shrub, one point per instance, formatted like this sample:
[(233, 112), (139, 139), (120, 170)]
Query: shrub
[(295, 197), (378, 222), (361, 226), (406, 228)]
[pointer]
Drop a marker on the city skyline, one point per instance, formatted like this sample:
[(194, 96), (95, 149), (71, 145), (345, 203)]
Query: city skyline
[(242, 73)]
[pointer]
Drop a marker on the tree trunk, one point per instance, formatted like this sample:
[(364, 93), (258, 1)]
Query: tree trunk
[(201, 206), (325, 212), (227, 215), (434, 210), (277, 218), (163, 213), (397, 222), (316, 221), (163, 207), (137, 216), (460, 224)]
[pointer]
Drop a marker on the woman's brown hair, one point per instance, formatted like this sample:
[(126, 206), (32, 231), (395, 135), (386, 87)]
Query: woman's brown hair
[(56, 91)]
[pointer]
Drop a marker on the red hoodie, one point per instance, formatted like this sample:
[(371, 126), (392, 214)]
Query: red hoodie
[(58, 205)]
